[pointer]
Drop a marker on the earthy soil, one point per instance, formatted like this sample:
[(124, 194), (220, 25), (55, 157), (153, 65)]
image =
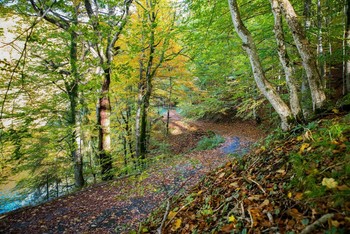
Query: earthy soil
[(120, 205)]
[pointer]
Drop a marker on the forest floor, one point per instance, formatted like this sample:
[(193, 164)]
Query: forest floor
[(293, 182), (120, 205)]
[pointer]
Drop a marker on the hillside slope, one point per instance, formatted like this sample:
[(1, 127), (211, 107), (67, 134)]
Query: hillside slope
[(292, 183)]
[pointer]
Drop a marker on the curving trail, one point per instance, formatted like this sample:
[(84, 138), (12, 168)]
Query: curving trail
[(118, 206)]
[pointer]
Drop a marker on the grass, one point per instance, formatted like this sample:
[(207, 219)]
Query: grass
[(210, 142)]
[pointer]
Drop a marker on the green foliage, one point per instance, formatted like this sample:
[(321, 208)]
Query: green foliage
[(210, 142), (323, 154)]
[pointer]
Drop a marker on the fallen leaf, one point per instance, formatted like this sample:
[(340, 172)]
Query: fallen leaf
[(298, 196), (231, 219), (228, 228), (343, 187), (266, 202), (295, 213), (222, 175), (281, 171), (329, 183), (177, 224), (171, 214), (303, 147), (335, 223)]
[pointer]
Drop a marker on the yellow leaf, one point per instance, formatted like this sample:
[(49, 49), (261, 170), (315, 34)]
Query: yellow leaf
[(221, 175), (335, 223), (231, 219), (303, 147), (171, 214), (177, 224), (299, 138), (281, 171), (199, 192), (265, 203), (289, 195), (336, 111), (234, 184), (329, 183)]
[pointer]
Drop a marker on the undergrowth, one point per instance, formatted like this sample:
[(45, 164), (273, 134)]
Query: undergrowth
[(210, 142), (287, 183)]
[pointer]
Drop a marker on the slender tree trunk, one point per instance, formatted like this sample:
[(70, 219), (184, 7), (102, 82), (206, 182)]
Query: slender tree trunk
[(104, 113), (347, 46), (305, 90), (145, 88), (263, 84), (284, 59), (73, 90), (309, 62), (141, 87), (169, 105), (320, 42), (105, 51)]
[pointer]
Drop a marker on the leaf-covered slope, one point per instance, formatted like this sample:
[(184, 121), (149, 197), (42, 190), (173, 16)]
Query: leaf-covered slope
[(292, 183)]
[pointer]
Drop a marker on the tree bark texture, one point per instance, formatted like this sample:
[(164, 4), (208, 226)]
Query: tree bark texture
[(347, 47), (73, 90), (145, 88), (321, 63), (104, 113), (263, 84), (285, 61), (105, 50), (309, 62)]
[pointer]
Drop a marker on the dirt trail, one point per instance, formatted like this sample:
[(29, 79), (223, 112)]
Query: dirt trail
[(120, 205)]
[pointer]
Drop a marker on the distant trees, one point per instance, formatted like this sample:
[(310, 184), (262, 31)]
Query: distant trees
[(80, 52)]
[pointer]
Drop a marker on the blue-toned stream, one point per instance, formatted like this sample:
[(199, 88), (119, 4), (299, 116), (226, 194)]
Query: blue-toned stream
[(11, 201), (236, 146)]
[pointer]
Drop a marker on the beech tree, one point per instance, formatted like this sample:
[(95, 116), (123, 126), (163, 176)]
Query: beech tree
[(68, 23), (106, 33), (264, 85), (309, 62), (285, 61), (347, 46), (155, 45)]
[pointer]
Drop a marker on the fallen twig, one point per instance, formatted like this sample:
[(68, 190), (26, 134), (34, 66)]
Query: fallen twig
[(243, 213), (260, 187), (251, 219), (159, 230), (313, 226)]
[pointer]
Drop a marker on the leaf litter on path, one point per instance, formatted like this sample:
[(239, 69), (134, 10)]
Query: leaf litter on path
[(120, 205)]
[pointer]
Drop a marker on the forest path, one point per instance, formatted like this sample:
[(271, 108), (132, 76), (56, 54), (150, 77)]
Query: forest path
[(118, 206)]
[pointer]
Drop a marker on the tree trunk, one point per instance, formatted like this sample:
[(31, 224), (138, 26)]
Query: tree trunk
[(169, 105), (309, 63), (306, 100), (104, 113), (73, 90), (263, 84), (284, 59), (321, 63), (347, 46), (145, 87)]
